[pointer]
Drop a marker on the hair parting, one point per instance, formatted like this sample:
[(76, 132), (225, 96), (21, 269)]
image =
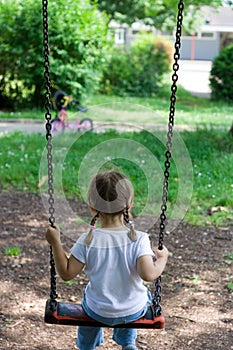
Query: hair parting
[(89, 237)]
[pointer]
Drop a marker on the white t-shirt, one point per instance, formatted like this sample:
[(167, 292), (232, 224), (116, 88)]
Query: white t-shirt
[(115, 289)]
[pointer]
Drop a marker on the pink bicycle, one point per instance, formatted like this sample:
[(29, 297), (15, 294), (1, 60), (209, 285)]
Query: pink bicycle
[(62, 102)]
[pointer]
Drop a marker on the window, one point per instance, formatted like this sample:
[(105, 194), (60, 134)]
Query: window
[(207, 35), (119, 35)]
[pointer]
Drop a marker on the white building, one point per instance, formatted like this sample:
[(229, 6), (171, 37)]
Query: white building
[(213, 35)]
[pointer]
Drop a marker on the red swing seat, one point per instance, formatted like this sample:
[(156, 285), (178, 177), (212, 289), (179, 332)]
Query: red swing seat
[(64, 313)]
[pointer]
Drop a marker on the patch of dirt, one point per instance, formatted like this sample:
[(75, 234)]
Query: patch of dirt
[(196, 302)]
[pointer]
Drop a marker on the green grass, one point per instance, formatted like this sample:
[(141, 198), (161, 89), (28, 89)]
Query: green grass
[(12, 251), (24, 114), (69, 283), (141, 156), (229, 257), (190, 110), (193, 111), (230, 285)]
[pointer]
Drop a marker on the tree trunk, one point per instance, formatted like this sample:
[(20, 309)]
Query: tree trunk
[(231, 130)]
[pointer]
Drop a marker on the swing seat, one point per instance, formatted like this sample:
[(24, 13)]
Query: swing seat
[(73, 315)]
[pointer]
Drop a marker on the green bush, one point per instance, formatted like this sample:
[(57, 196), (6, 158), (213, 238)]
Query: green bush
[(77, 41), (221, 75), (139, 70)]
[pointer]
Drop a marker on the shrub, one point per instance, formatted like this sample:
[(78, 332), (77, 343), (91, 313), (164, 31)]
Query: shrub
[(77, 33), (221, 75), (138, 71)]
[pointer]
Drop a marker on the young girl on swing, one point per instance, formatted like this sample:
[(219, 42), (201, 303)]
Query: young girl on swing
[(116, 258)]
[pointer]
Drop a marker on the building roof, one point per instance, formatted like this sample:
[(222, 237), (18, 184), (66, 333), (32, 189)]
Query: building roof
[(218, 18)]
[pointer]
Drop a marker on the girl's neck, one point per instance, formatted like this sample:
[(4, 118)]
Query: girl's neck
[(114, 222)]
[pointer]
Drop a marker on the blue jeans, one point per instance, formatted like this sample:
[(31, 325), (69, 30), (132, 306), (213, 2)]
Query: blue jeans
[(91, 337)]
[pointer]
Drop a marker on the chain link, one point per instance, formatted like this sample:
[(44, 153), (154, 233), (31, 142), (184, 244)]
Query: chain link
[(167, 163), (48, 126), (157, 297)]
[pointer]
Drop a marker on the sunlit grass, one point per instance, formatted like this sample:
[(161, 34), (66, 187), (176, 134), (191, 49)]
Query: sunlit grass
[(210, 151), (190, 110)]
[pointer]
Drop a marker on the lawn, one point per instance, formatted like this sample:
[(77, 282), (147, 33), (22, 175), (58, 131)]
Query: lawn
[(191, 111), (201, 185)]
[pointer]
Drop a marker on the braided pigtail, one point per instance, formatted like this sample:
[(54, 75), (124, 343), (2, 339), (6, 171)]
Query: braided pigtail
[(89, 237), (132, 233)]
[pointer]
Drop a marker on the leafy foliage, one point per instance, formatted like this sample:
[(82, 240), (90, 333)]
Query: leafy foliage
[(139, 70), (160, 13), (221, 75), (77, 33)]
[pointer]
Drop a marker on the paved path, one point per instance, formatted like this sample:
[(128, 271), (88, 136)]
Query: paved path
[(194, 77), (28, 127)]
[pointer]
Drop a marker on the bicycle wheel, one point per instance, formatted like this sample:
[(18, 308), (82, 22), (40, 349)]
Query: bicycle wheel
[(86, 124), (58, 127)]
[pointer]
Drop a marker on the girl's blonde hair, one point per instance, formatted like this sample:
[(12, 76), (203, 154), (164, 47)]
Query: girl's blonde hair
[(111, 193)]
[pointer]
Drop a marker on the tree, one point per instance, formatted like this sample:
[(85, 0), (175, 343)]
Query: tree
[(77, 33), (161, 13)]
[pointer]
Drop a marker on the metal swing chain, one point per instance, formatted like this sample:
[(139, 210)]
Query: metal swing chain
[(48, 126), (167, 163), (48, 117)]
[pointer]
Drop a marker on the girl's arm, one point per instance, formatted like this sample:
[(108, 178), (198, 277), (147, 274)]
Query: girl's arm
[(67, 267), (148, 269)]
